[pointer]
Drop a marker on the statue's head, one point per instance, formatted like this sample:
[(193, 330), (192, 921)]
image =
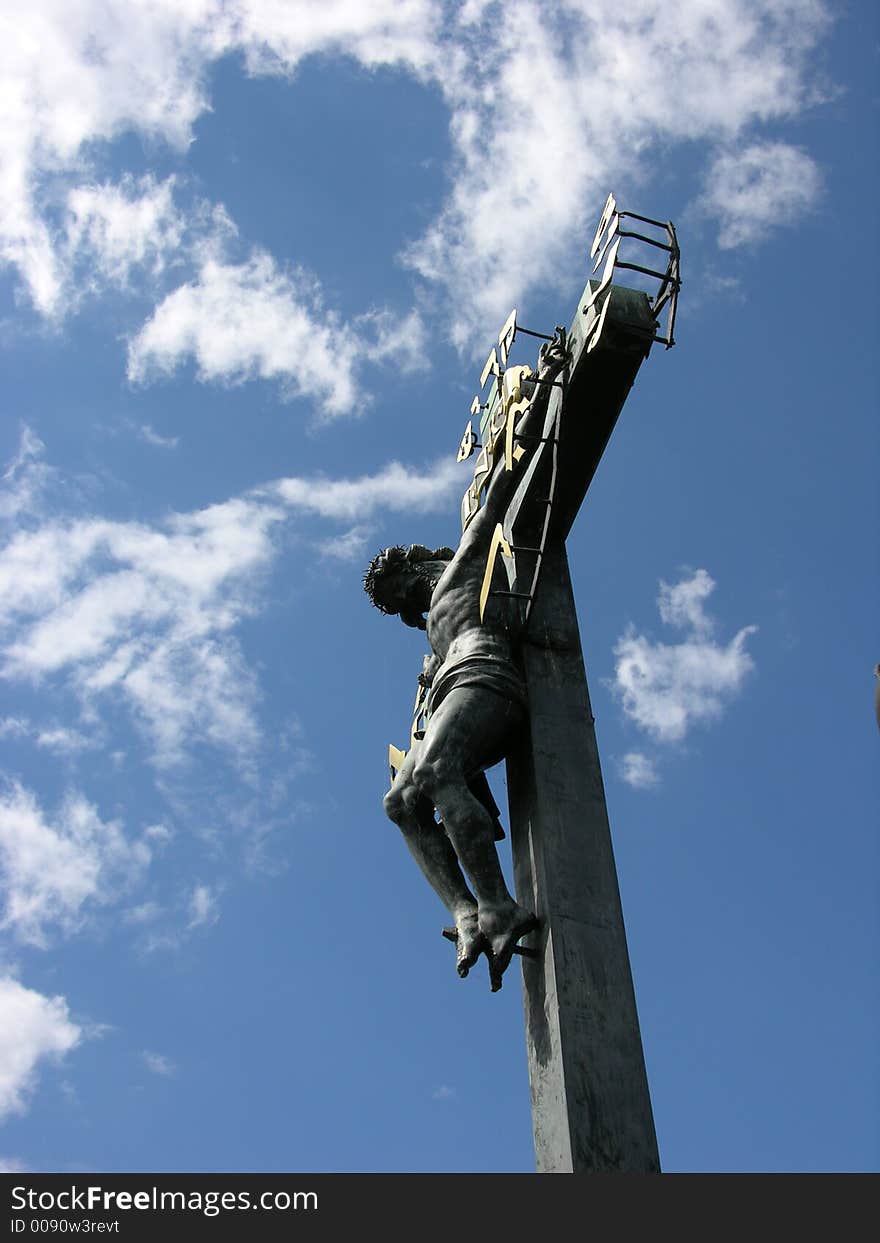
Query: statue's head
[(399, 580)]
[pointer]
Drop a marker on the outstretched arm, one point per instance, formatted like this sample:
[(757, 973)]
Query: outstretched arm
[(551, 360)]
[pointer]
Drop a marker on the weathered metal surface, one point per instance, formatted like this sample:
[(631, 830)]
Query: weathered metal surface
[(591, 1108), (500, 609)]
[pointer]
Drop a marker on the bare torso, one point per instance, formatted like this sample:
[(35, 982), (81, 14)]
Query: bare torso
[(455, 602), (475, 697)]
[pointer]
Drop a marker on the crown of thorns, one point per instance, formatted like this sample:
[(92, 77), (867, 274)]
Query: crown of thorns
[(387, 564)]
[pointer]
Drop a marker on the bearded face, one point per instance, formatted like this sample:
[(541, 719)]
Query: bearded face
[(397, 584)]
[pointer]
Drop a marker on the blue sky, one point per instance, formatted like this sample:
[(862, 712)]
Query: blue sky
[(254, 255)]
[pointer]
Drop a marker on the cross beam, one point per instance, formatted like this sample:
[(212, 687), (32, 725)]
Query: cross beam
[(598, 384)]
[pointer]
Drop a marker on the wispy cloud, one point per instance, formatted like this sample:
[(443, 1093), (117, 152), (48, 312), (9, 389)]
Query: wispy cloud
[(158, 834), (396, 487), (157, 1064), (144, 913), (165, 929), (349, 546), (667, 688), (118, 227), (12, 1165), (25, 478), (32, 1028), (54, 869), (681, 604), (142, 613), (248, 320), (78, 75), (638, 770), (147, 615), (204, 907), (154, 438), (62, 741), (758, 189), (558, 106), (385, 32), (547, 109)]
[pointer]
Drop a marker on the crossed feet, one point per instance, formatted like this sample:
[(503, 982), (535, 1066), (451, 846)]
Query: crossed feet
[(493, 931)]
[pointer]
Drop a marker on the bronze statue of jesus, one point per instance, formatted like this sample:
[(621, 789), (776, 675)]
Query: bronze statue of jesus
[(476, 702)]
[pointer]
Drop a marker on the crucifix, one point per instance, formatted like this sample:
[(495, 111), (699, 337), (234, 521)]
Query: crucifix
[(505, 680)]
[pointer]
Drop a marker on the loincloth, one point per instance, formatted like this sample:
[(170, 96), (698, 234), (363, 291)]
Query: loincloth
[(477, 660)]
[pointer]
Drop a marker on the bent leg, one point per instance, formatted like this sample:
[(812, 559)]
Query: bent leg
[(430, 847), (468, 731)]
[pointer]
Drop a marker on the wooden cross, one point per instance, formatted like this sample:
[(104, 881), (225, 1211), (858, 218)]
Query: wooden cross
[(591, 1108)]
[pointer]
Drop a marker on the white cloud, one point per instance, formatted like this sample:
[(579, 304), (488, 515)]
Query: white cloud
[(145, 913), (51, 871), (246, 320), (185, 691), (12, 1165), (348, 546), (59, 739), (638, 770), (25, 477), (154, 438), (758, 189), (147, 614), (159, 1065), (666, 688), (32, 1028), (160, 834), (384, 337), (249, 320), (122, 226), (143, 613), (395, 487), (62, 741), (548, 107), (76, 74), (443, 1093), (681, 604), (203, 906), (276, 36)]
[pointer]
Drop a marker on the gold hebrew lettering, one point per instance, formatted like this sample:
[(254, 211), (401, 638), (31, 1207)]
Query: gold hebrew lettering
[(606, 276), (468, 443), (495, 426), (608, 270), (608, 211), (470, 504), (514, 412), (395, 759), (491, 368), (482, 470), (598, 325), (511, 386), (612, 236), (506, 336)]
